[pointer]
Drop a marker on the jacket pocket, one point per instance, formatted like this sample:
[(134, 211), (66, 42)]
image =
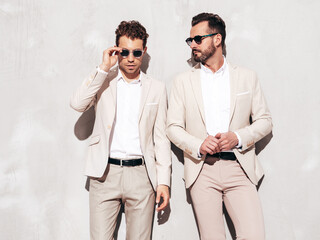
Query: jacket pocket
[(94, 140)]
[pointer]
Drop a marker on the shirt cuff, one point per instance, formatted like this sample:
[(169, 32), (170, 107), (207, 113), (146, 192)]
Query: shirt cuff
[(199, 154), (101, 71), (239, 140)]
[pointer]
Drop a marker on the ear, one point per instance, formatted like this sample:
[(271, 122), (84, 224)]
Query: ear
[(217, 40), (145, 50)]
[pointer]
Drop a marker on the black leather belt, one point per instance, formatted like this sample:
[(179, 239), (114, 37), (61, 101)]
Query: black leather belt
[(127, 163), (224, 155)]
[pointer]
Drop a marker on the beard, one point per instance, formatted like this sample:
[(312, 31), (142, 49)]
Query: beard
[(205, 55)]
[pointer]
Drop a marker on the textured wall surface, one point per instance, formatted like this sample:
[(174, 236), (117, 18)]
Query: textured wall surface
[(47, 47)]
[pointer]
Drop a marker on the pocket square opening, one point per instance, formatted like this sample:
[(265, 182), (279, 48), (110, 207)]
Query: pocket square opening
[(243, 93)]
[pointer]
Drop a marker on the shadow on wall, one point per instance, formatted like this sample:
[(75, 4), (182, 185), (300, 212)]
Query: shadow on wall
[(84, 126), (145, 62), (263, 143)]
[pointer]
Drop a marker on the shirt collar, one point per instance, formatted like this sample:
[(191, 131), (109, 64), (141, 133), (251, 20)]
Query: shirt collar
[(220, 70), (120, 77)]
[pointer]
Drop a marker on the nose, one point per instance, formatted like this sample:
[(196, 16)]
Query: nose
[(193, 44), (130, 57)]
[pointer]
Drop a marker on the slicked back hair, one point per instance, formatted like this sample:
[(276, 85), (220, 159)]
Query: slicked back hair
[(215, 23)]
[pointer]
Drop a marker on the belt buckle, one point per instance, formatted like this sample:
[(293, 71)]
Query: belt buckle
[(121, 163), (142, 160)]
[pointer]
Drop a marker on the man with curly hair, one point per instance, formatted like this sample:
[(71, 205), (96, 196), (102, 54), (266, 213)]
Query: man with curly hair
[(129, 157)]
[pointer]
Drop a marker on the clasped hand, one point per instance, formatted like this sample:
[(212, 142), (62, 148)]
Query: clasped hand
[(219, 143)]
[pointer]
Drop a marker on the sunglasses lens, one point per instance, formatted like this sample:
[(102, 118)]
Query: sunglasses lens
[(189, 41), (124, 53), (198, 39), (137, 53)]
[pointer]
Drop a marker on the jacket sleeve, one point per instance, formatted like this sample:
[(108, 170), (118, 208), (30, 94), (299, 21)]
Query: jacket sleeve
[(162, 143), (176, 123), (260, 116), (85, 96)]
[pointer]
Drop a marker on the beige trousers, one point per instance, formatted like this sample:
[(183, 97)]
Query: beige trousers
[(225, 181), (127, 185)]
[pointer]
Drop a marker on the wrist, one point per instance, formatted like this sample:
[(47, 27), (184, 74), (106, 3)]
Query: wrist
[(163, 186), (103, 67)]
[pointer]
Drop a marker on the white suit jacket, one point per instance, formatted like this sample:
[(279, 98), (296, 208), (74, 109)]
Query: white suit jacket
[(100, 90), (186, 126)]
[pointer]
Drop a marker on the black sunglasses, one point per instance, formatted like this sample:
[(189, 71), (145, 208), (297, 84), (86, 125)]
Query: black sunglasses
[(198, 38), (136, 53)]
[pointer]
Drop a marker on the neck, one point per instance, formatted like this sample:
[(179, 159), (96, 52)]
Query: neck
[(215, 62), (129, 77)]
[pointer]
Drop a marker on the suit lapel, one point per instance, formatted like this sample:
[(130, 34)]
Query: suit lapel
[(196, 86), (145, 87), (233, 76)]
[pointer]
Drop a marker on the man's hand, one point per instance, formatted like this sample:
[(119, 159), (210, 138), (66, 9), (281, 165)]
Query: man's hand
[(210, 145), (162, 192), (227, 141), (110, 58)]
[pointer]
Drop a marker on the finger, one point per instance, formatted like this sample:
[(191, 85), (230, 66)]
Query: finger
[(205, 149), (222, 145), (213, 140), (158, 197), (210, 150), (209, 138), (218, 149), (215, 145), (115, 50), (208, 144), (164, 204), (211, 145), (160, 208), (225, 147), (119, 49), (214, 148)]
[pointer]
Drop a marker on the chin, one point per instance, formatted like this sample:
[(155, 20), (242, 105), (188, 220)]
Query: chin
[(197, 59), (132, 71)]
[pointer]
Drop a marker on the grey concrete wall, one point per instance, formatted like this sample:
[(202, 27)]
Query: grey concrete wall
[(46, 49)]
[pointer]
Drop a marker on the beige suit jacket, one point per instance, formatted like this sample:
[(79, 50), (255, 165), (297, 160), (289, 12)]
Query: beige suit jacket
[(186, 126), (100, 90)]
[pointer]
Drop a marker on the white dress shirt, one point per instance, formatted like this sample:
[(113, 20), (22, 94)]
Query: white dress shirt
[(125, 141), (216, 99)]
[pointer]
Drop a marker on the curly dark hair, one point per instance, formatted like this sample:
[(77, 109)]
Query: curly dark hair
[(215, 23), (132, 29)]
